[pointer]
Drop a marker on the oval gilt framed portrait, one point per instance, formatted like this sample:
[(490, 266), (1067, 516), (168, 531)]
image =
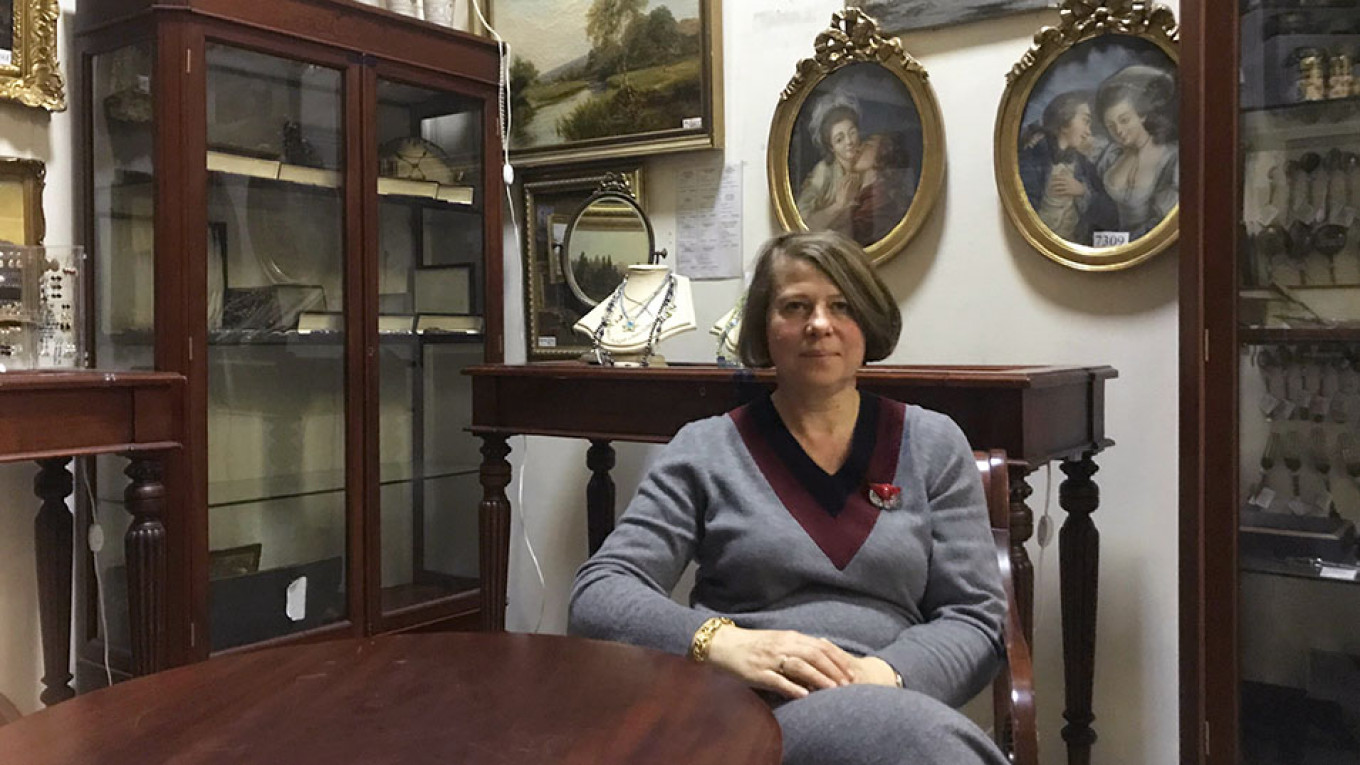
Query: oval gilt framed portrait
[(1087, 146), (857, 145)]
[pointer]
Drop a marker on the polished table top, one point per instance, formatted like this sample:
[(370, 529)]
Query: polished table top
[(446, 698)]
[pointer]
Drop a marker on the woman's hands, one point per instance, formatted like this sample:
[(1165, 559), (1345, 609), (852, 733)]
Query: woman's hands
[(792, 664)]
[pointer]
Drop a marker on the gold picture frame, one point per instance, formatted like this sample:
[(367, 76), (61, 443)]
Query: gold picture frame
[(21, 191), (29, 72), (857, 132), (1084, 109), (551, 307), (553, 87)]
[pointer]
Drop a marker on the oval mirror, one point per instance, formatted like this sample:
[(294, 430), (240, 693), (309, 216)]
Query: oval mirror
[(607, 235)]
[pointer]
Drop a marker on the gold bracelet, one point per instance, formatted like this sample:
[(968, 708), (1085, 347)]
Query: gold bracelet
[(703, 637)]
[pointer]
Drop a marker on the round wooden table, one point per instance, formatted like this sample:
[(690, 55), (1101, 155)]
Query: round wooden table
[(446, 698)]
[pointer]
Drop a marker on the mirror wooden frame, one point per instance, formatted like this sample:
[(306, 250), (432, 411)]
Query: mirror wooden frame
[(549, 195), (614, 187)]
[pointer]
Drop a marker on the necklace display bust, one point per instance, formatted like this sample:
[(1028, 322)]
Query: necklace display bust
[(728, 330), (650, 305)]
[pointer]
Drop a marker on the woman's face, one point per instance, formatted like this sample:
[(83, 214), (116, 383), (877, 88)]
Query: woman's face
[(844, 142), (1076, 134), (1125, 125), (814, 342)]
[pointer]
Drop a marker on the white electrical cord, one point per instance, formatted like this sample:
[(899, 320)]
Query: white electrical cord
[(504, 117), (504, 120), (95, 539), (524, 530)]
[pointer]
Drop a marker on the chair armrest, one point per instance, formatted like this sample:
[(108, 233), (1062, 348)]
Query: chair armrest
[(1013, 701)]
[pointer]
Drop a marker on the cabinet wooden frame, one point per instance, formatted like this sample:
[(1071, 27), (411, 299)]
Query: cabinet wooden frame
[(364, 45)]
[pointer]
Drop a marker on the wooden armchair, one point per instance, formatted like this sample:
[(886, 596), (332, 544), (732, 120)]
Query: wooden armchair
[(1013, 690)]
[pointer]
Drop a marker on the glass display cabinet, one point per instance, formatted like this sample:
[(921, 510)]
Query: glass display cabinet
[(288, 202), (1271, 395)]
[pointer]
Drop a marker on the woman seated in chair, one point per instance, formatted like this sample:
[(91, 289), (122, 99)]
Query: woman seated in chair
[(845, 563)]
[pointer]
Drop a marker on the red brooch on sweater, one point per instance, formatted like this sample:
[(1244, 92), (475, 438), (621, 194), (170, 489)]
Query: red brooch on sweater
[(885, 496)]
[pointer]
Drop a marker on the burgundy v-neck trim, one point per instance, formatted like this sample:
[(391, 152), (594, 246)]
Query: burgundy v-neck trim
[(839, 534)]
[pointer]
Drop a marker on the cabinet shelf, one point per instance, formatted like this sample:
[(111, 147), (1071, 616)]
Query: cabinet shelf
[(324, 337), (427, 193), (1277, 127), (252, 490), (1268, 335), (1298, 570), (436, 587)]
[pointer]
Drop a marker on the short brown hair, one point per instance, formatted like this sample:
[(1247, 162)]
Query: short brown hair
[(847, 266)]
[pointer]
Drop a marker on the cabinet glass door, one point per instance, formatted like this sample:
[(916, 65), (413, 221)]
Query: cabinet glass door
[(431, 326), (1299, 383), (276, 354), (123, 247)]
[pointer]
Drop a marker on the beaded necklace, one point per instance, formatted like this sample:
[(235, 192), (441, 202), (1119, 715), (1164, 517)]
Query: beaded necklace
[(727, 332), (607, 319)]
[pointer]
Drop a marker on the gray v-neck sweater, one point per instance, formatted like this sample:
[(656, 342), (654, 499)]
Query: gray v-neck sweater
[(923, 592)]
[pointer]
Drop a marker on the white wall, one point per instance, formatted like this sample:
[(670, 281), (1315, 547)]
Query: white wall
[(971, 291), (36, 134)]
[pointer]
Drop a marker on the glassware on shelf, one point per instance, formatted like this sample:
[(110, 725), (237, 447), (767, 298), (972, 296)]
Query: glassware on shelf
[(410, 8), (1312, 74)]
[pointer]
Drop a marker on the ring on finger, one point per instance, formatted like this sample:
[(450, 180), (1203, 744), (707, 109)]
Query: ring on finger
[(782, 661)]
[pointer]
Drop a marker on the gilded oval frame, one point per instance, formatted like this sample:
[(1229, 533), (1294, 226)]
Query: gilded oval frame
[(853, 38), (1081, 22)]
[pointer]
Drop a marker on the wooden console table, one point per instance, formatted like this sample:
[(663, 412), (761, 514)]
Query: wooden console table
[(52, 417), (1037, 414)]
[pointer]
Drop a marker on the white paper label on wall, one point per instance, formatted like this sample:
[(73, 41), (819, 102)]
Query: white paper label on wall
[(692, 123), (295, 601), (6, 57), (547, 342), (1109, 238), (708, 220)]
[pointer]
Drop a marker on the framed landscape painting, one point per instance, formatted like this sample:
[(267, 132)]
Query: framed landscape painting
[(598, 79), (900, 15)]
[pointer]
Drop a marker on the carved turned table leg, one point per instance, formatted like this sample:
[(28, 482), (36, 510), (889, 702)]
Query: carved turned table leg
[(144, 546), (1022, 528), (52, 534), (599, 493), (494, 530), (1079, 559)]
